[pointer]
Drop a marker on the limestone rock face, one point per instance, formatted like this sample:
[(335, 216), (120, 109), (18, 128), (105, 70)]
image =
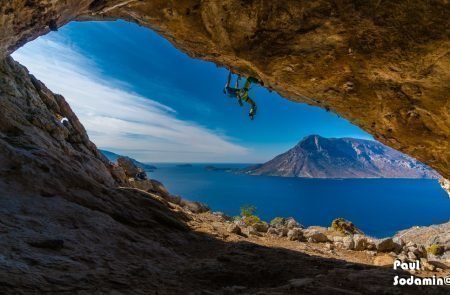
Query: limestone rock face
[(384, 65), (37, 150)]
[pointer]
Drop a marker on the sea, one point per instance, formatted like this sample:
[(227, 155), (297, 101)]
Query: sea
[(379, 207)]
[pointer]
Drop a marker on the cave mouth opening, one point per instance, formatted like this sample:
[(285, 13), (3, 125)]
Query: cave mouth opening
[(139, 96)]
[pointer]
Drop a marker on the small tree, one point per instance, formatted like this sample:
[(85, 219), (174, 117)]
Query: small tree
[(248, 210)]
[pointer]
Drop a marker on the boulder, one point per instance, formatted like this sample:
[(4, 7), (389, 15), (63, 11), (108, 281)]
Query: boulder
[(399, 241), (412, 256), (273, 231), (282, 232), (238, 221), (173, 199), (194, 207), (288, 223), (118, 173), (279, 232), (362, 243), (348, 243), (250, 230), (278, 222), (159, 188), (344, 226), (222, 216), (144, 185), (426, 265), (410, 244), (234, 229), (295, 234), (387, 245), (130, 169), (315, 236), (402, 257), (337, 239), (261, 227), (292, 223), (329, 246), (420, 251)]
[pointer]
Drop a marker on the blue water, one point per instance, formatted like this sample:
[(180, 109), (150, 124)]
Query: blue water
[(379, 207)]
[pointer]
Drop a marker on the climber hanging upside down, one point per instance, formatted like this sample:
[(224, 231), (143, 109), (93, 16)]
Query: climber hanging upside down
[(241, 94)]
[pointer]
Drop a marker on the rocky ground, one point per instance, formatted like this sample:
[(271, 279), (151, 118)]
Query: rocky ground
[(331, 243)]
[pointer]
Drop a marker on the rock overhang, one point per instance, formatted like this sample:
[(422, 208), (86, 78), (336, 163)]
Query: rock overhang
[(384, 66)]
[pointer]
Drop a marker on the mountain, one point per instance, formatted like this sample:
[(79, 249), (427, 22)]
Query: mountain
[(113, 158), (318, 157)]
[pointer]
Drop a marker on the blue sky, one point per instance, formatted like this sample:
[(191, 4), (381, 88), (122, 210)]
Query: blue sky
[(138, 95)]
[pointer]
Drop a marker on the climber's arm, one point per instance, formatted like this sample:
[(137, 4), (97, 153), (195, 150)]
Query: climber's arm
[(228, 79)]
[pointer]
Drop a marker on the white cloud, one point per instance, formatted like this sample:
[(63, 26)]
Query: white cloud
[(120, 120)]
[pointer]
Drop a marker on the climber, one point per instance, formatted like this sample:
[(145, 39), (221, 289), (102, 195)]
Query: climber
[(241, 94), (65, 122)]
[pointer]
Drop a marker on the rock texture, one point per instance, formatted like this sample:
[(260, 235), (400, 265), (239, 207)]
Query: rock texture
[(36, 149), (384, 65), (66, 224), (319, 157)]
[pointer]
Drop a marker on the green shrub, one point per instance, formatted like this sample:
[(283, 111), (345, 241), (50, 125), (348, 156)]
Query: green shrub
[(277, 221), (251, 220), (248, 215), (248, 210), (435, 249)]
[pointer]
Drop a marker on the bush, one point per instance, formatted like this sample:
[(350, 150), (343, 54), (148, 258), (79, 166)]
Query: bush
[(277, 221), (344, 226), (251, 220), (248, 210), (248, 215), (435, 249)]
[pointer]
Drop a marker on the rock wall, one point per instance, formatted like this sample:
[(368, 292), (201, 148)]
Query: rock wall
[(37, 150), (384, 65)]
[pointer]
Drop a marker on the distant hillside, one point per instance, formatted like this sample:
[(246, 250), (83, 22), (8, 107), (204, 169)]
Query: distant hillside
[(113, 158), (318, 157)]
